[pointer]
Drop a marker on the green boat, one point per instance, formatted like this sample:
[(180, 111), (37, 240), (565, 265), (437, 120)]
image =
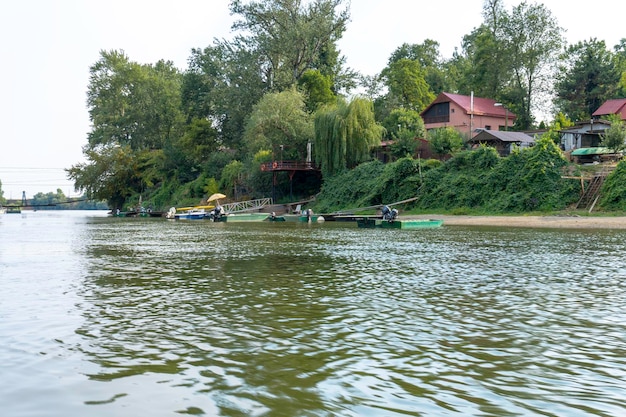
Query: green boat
[(366, 223), (242, 217), (306, 216), (119, 213), (274, 218)]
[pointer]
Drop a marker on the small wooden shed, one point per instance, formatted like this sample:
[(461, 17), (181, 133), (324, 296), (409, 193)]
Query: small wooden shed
[(502, 141)]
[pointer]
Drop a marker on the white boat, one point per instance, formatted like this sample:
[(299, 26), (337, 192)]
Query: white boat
[(187, 213)]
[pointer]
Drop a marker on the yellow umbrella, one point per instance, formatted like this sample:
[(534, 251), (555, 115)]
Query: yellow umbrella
[(215, 196)]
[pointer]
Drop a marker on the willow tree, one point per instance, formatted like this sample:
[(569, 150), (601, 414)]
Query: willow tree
[(345, 133)]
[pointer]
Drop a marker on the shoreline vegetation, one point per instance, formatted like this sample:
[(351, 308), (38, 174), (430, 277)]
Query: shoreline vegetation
[(542, 222)]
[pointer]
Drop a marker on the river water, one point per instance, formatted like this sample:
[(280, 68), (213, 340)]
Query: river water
[(148, 317)]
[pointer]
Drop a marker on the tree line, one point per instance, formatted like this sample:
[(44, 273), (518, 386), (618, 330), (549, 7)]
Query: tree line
[(281, 86)]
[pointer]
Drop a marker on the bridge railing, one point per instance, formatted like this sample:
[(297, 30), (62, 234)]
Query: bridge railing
[(249, 205), (288, 166)]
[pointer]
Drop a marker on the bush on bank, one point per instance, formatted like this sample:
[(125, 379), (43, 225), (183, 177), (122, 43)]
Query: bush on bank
[(613, 196), (479, 180)]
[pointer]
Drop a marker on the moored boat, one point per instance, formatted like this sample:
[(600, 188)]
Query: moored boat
[(305, 216), (241, 217), (369, 223), (188, 213), (274, 218)]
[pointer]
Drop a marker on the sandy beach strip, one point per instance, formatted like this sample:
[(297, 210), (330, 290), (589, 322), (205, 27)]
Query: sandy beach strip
[(550, 222)]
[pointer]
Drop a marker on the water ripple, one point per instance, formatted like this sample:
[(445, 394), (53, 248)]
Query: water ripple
[(218, 319)]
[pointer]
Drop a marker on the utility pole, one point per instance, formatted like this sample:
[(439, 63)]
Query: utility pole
[(471, 114), (506, 115)]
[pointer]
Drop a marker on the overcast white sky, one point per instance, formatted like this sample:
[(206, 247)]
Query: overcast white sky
[(47, 47)]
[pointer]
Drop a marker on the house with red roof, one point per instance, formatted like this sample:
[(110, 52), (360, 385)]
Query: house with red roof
[(466, 114), (588, 134), (616, 106)]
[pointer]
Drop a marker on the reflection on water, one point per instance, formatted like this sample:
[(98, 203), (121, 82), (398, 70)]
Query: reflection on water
[(169, 318)]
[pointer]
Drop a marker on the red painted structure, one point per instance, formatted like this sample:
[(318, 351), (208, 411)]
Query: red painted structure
[(291, 167), (288, 166)]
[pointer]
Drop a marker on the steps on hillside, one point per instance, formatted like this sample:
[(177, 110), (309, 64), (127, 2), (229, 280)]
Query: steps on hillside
[(592, 193)]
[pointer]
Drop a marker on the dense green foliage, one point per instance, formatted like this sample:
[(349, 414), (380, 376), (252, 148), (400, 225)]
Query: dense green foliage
[(350, 189), (345, 134), (280, 85), (613, 193), (615, 136), (279, 122), (403, 126), (527, 180), (445, 140), (479, 180), (373, 183), (588, 76)]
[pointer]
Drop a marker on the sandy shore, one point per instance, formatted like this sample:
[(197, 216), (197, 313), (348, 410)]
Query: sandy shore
[(553, 222)]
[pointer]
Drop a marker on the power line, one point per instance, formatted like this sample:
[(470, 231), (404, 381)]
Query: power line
[(36, 168)]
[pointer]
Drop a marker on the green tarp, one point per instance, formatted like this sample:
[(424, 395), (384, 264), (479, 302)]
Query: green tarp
[(591, 151)]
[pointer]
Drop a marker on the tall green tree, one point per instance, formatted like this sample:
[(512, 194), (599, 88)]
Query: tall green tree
[(222, 84), (483, 70), (135, 114), (620, 56), (406, 81), (111, 174), (533, 39), (198, 143), (511, 57), (345, 134), (483, 65), (429, 58), (280, 122), (133, 104), (318, 89), (588, 75), (292, 36)]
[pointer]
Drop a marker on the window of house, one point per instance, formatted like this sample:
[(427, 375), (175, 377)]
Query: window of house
[(438, 113)]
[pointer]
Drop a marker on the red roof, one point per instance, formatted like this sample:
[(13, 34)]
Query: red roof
[(482, 106), (615, 106)]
